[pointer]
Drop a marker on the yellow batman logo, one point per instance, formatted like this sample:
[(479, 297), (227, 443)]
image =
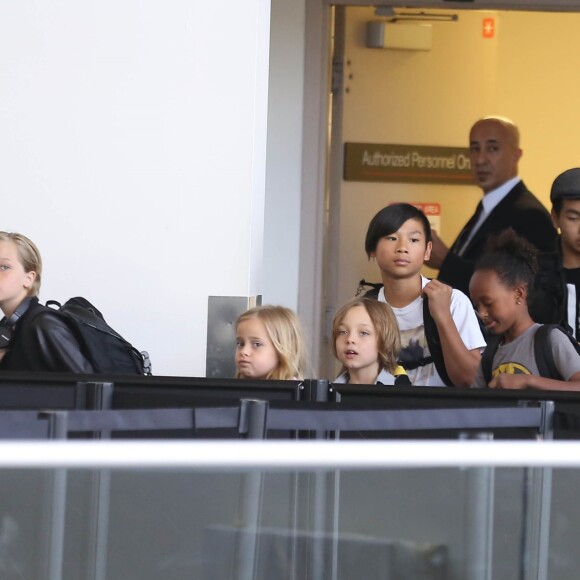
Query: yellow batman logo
[(510, 369)]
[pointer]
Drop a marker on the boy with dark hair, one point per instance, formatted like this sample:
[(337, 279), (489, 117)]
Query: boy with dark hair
[(565, 198), (399, 238)]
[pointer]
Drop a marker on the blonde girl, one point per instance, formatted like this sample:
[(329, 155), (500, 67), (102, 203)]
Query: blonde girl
[(32, 338), (269, 344)]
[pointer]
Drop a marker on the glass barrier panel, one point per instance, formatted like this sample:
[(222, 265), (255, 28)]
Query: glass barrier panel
[(289, 510)]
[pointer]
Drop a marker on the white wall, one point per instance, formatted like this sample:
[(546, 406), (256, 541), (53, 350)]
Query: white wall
[(133, 153), (284, 154), (296, 163)]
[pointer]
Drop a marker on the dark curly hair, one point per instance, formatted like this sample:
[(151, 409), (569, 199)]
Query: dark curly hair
[(512, 258)]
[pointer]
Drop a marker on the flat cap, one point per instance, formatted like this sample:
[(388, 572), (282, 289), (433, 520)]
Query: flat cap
[(566, 185)]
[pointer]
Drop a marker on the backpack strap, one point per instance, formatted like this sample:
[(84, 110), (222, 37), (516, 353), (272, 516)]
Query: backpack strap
[(543, 352), (548, 300), (493, 342), (401, 378), (402, 381), (434, 343)]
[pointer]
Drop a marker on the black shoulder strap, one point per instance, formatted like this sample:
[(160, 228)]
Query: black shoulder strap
[(548, 301), (434, 343), (402, 381), (543, 351), (487, 357)]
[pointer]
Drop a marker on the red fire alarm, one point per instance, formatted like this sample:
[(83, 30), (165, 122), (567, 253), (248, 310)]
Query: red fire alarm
[(488, 27)]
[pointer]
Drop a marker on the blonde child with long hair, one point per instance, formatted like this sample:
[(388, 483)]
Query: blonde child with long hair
[(269, 344), (32, 338), (366, 340)]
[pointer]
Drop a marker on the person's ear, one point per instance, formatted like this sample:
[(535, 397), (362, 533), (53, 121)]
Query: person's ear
[(29, 279), (428, 251), (521, 294), (555, 220)]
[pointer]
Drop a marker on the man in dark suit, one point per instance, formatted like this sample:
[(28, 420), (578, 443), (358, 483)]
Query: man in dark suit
[(494, 145)]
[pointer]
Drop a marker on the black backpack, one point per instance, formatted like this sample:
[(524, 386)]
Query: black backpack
[(548, 302), (542, 353), (431, 334), (105, 349)]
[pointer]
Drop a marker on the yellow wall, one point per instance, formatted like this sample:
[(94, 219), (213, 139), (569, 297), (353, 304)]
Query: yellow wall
[(538, 84), (527, 72)]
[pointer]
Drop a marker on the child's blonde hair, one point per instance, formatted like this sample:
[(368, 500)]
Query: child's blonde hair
[(386, 327), (29, 257), (283, 328)]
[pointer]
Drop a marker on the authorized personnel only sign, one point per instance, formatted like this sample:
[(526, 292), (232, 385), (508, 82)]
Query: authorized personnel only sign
[(407, 163)]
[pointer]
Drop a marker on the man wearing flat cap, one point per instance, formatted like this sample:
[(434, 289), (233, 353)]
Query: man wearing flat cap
[(565, 198)]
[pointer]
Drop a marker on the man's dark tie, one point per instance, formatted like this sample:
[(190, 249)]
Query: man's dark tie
[(464, 235)]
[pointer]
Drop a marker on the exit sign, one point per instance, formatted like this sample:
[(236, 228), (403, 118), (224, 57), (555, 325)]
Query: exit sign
[(488, 27)]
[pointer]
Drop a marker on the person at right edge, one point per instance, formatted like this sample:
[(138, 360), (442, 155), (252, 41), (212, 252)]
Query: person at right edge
[(565, 198), (494, 144)]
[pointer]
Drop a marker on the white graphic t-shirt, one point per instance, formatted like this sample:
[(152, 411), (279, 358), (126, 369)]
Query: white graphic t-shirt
[(414, 344)]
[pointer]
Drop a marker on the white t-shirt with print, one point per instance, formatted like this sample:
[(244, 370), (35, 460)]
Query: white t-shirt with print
[(413, 341)]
